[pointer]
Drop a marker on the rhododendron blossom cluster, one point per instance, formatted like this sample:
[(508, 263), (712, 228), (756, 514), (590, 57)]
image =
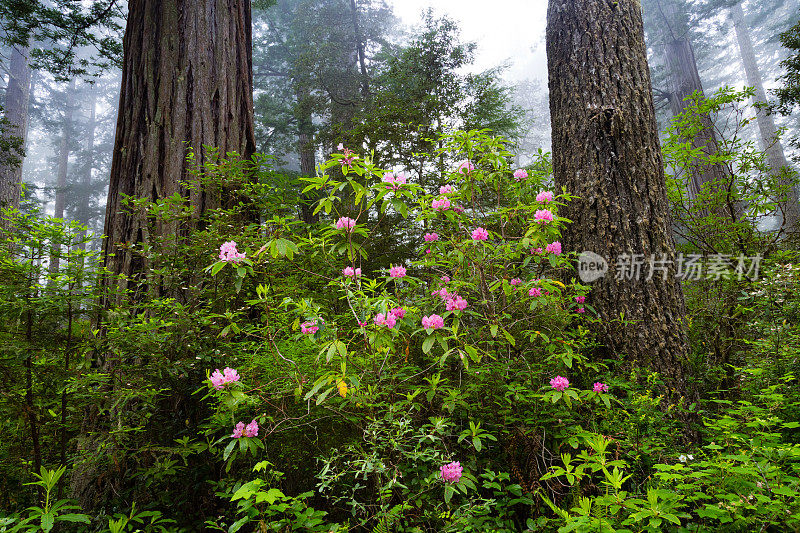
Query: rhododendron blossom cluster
[(521, 174), (310, 327), (451, 472), (398, 313), (350, 272), (580, 299), (397, 272), (544, 197), (466, 167), (394, 181), (440, 203), (535, 292), (387, 320), (456, 303), (220, 379), (559, 383), (345, 223), (431, 237), (480, 234), (447, 189), (432, 322), (554, 248), (600, 387), (250, 430), (516, 281), (543, 216), (228, 252)]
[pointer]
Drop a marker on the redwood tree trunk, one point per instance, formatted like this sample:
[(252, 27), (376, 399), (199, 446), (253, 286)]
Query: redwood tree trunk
[(86, 178), (306, 149), (766, 125), (63, 166), (685, 81), (186, 80), (16, 112), (606, 151)]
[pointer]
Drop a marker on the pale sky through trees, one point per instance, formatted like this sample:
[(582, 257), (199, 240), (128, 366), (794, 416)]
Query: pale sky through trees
[(505, 30)]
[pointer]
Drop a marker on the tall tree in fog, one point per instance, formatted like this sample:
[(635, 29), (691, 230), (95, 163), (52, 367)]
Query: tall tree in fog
[(766, 124), (64, 147), (186, 80), (683, 80), (606, 152), (16, 130)]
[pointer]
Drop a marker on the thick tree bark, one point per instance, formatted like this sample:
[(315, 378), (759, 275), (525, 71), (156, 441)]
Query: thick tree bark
[(766, 125), (16, 112), (63, 166), (606, 151), (186, 80)]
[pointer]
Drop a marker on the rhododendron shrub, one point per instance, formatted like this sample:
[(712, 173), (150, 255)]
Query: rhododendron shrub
[(412, 328)]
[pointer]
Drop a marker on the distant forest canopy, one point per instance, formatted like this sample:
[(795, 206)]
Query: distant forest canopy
[(313, 88)]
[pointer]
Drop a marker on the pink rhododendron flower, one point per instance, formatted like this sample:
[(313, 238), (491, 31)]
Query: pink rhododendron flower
[(535, 292), (228, 252), (580, 299), (480, 234), (387, 320), (432, 322), (465, 167), (309, 327), (348, 158), (394, 181), (451, 472), (397, 272), (543, 216), (442, 293), (431, 237), (446, 279), (536, 251), (554, 248), (521, 174), (447, 189), (600, 387), (345, 223), (456, 302), (251, 430), (458, 209), (514, 282), (581, 310), (220, 379), (559, 383), (428, 251), (398, 312), (238, 430), (441, 203), (544, 197), (350, 272)]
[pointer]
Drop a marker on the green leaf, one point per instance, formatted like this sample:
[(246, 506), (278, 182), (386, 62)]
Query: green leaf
[(228, 450), (47, 521), (74, 517), (427, 344), (448, 493), (493, 329), (217, 267)]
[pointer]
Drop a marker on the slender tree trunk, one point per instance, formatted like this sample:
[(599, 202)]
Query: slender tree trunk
[(766, 125), (63, 166), (606, 152), (186, 80), (307, 150), (86, 178), (362, 61), (684, 82), (16, 112)]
